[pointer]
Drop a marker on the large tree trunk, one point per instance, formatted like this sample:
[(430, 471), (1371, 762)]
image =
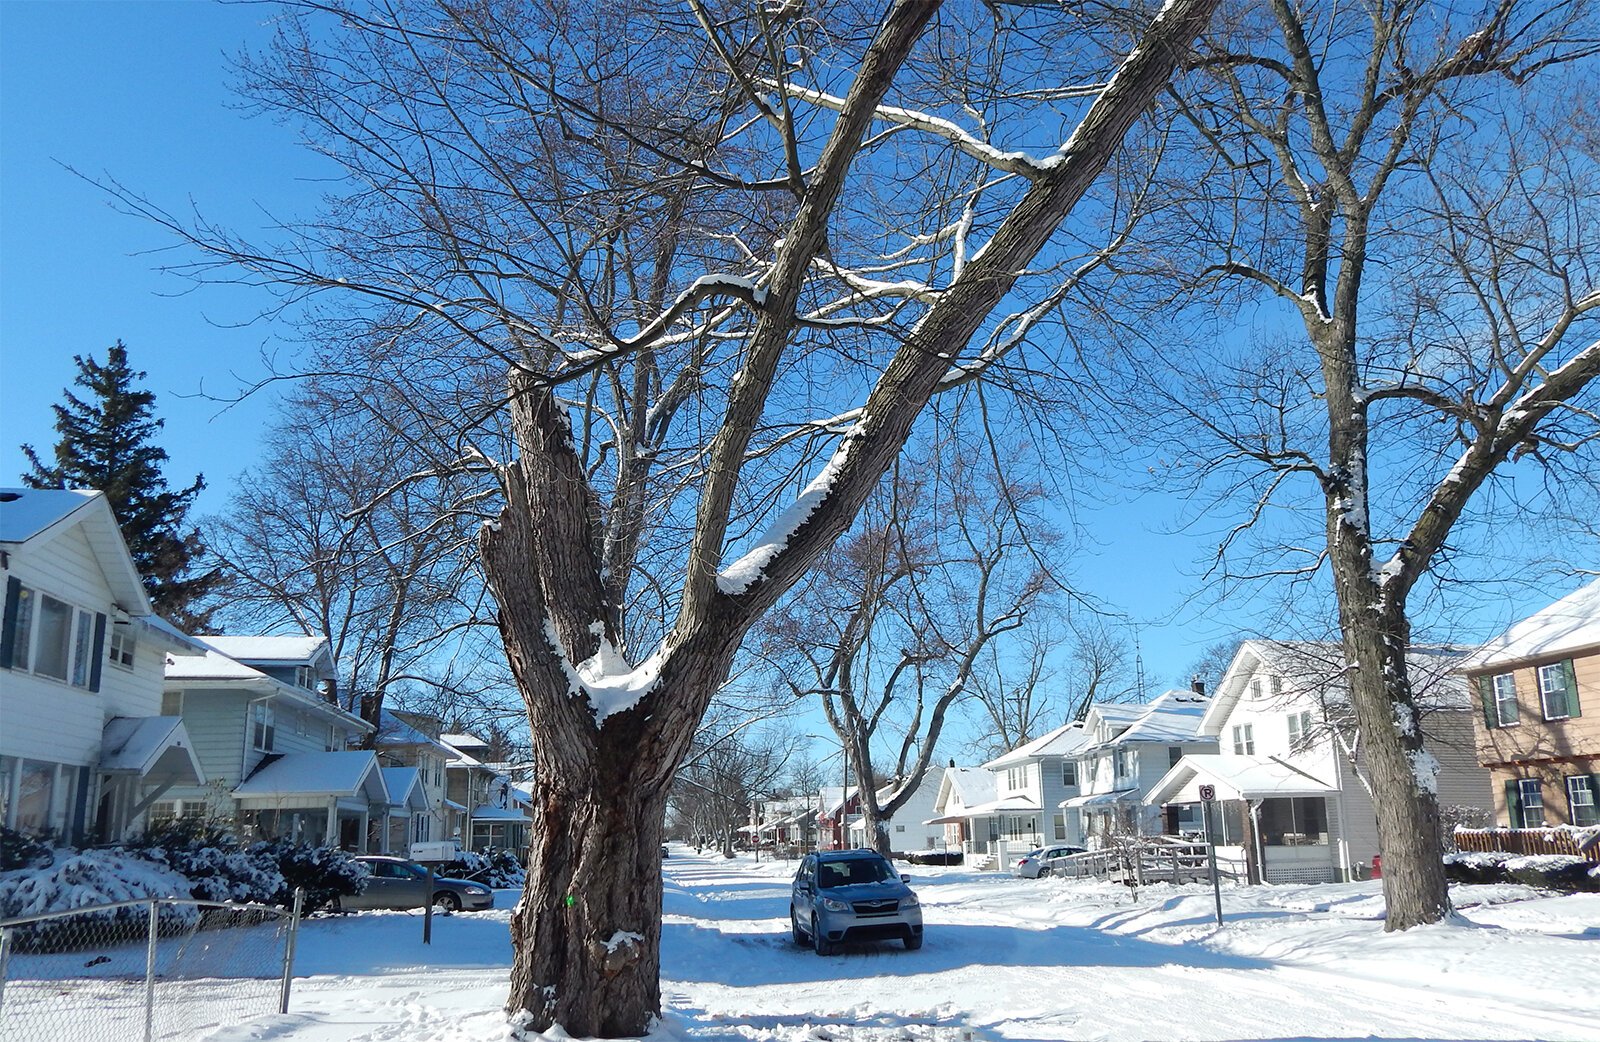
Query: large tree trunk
[(1376, 634)]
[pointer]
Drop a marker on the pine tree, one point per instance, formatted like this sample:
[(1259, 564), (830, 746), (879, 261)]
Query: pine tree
[(107, 443)]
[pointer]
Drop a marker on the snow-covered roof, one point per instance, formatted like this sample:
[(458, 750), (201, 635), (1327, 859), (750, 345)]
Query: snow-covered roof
[(1570, 624), (394, 731), (1065, 740), (974, 784), (463, 739), (29, 514), (1102, 799), (286, 650), (1236, 778), (347, 774), (498, 814), (213, 665), (405, 788), (156, 748), (1174, 717)]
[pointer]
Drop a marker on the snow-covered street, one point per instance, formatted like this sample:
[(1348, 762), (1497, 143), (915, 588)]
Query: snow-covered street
[(1005, 959)]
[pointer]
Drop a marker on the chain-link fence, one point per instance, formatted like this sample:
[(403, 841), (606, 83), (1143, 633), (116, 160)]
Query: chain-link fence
[(151, 969)]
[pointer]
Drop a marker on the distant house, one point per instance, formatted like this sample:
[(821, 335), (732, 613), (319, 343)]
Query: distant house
[(908, 827), (84, 748), (411, 740), (961, 788), (1538, 728), (275, 747), (1290, 803), (1130, 747), (482, 788)]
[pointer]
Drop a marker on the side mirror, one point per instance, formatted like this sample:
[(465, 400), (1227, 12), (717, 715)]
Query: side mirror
[(905, 879)]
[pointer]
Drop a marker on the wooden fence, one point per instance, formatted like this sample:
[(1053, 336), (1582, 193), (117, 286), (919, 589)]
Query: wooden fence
[(1584, 843)]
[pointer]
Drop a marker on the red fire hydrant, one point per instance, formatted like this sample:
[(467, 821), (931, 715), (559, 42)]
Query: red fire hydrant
[(1377, 866)]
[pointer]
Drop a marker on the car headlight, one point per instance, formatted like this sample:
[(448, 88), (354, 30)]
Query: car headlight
[(833, 904), (909, 901), (475, 891)]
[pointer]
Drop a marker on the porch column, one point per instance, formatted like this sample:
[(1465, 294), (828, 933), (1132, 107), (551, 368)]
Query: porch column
[(330, 835)]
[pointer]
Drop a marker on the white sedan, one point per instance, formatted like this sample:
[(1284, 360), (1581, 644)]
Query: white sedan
[(1035, 863)]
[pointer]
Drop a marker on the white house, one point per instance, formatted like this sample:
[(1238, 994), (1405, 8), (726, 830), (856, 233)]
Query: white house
[(1289, 801), (1129, 748), (411, 740), (482, 790), (275, 748), (908, 827), (993, 821), (84, 748)]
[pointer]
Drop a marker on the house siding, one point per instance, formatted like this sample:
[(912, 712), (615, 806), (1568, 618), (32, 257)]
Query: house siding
[(1534, 738)]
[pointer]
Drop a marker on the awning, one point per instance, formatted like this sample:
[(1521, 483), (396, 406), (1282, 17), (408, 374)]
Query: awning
[(1235, 778), (156, 749), (498, 814), (1102, 799), (1009, 805), (306, 776), (453, 805)]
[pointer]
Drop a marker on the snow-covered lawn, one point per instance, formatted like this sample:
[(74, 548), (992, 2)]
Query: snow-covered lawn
[(1005, 959)]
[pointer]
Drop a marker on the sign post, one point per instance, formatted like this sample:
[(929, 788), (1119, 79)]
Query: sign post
[(1208, 796)]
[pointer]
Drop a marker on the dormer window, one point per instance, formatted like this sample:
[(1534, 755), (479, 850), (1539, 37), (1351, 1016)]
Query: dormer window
[(305, 677), (1256, 689)]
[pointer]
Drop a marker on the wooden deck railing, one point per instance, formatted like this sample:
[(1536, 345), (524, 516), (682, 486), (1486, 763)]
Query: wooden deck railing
[(1584, 843)]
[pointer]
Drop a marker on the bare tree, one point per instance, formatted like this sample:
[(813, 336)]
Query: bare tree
[(682, 281), (897, 615), (324, 536), (1385, 174), (1015, 691)]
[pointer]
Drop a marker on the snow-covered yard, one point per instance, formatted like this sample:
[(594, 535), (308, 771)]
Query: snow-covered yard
[(1005, 959)]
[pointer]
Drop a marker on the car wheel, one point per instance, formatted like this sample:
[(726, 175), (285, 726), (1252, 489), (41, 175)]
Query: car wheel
[(335, 906), (1043, 872), (913, 941), (445, 901), (798, 934), (819, 940)]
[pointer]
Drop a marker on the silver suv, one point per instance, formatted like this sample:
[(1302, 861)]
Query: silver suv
[(852, 895)]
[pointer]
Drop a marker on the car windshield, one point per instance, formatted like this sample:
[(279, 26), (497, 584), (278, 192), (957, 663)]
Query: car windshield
[(855, 870)]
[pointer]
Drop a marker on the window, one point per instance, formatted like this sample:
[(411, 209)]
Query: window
[(1277, 686), (1505, 700), (1244, 740), (1016, 777), (899, 828), (1556, 696), (1060, 826), (1069, 773), (1174, 754), (172, 703), (51, 638), (121, 648), (1531, 794), (1127, 762), (1255, 689), (1299, 728), (1581, 799), (35, 792), (304, 677), (263, 726)]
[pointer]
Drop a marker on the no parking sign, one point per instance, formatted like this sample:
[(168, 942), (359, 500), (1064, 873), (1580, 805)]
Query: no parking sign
[(1208, 793)]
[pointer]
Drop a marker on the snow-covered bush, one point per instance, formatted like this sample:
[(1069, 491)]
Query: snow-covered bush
[(1553, 871), (934, 857), (209, 856), (20, 851), (1477, 866), (494, 868), (324, 872), (71, 879)]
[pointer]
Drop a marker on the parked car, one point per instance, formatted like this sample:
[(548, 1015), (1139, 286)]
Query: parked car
[(664, 853), (852, 895), (396, 883), (1036, 863)]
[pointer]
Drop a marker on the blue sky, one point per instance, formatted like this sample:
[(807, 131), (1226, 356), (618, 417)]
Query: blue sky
[(140, 92)]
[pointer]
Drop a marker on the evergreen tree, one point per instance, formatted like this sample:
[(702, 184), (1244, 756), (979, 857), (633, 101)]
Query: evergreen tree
[(107, 443)]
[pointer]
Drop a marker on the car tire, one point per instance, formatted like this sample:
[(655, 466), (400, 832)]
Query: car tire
[(913, 941), (798, 934), (1043, 873), (819, 940), (335, 906), (445, 901)]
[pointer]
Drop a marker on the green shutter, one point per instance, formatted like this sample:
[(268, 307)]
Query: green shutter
[(1573, 708), (8, 628), (1486, 695), (1513, 804)]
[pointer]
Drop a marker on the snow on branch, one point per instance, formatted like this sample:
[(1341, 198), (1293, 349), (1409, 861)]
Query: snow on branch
[(1011, 162)]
